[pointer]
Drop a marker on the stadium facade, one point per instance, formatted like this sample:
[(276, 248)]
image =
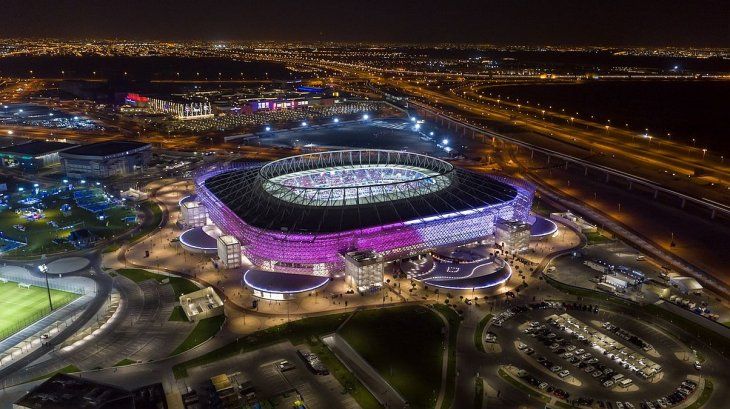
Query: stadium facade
[(303, 213)]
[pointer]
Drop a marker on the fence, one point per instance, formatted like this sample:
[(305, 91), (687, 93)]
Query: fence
[(38, 282), (19, 325)]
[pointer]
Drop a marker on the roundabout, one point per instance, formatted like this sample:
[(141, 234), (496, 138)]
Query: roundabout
[(67, 265)]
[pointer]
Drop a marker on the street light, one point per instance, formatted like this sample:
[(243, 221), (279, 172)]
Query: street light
[(44, 270)]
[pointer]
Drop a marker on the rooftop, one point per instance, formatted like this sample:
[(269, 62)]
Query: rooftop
[(106, 148), (282, 283), (65, 391), (36, 148), (244, 194)]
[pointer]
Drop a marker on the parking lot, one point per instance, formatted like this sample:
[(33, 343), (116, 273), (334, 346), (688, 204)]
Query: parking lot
[(587, 354), (262, 373)]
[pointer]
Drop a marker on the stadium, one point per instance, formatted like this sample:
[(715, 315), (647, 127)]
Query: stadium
[(302, 214)]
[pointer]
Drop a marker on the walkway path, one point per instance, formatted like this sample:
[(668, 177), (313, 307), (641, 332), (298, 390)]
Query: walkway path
[(373, 381)]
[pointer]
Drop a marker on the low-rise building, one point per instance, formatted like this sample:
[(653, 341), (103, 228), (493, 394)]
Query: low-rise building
[(204, 303), (106, 159), (512, 235), (32, 156), (364, 270), (63, 391), (229, 251)]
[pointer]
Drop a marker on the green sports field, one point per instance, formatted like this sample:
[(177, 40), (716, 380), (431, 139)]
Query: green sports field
[(20, 307)]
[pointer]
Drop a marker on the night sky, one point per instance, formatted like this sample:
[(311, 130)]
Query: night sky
[(579, 22)]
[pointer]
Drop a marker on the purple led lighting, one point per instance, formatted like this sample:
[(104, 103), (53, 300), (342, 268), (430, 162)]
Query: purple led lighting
[(320, 253)]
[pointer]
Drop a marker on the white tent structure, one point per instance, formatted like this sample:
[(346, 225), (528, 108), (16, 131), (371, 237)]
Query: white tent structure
[(686, 284)]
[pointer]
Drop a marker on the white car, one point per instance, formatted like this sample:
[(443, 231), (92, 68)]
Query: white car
[(564, 373), (608, 384)]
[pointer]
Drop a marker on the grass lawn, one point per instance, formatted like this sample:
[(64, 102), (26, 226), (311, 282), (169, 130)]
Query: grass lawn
[(179, 285), (112, 248), (454, 322), (149, 225), (478, 333), (347, 379), (597, 238), (65, 370), (478, 392), (298, 332), (125, 362), (405, 345), (178, 314), (182, 286), (20, 307), (704, 397), (524, 388), (204, 330), (40, 234)]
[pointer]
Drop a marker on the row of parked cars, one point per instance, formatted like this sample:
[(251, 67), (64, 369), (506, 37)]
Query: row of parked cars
[(557, 369), (543, 386), (590, 402), (575, 355), (627, 336), (500, 318), (612, 349), (680, 394)]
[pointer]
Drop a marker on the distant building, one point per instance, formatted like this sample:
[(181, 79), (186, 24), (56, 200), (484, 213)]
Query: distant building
[(134, 195), (106, 159), (364, 270), (32, 156), (181, 109), (574, 221), (82, 238), (513, 236)]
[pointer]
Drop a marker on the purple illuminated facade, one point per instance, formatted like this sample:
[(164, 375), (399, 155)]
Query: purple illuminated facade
[(404, 203)]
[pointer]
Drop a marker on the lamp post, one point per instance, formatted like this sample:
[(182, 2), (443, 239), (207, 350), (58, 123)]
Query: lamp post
[(44, 270)]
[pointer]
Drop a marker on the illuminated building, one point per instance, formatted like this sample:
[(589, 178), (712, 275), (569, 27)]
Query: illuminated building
[(513, 235), (364, 270), (303, 213)]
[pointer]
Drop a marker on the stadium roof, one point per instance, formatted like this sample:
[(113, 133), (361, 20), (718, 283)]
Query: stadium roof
[(242, 191), (106, 148), (34, 148)]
